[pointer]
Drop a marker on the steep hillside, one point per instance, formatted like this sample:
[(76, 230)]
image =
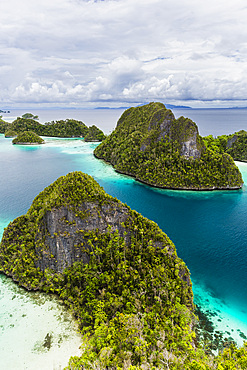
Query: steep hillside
[(62, 128), (115, 269), (159, 150), (27, 137), (233, 144)]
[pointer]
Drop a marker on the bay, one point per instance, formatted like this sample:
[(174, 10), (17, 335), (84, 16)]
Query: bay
[(208, 229)]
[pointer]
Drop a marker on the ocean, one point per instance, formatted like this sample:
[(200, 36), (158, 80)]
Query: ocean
[(208, 228), (209, 121)]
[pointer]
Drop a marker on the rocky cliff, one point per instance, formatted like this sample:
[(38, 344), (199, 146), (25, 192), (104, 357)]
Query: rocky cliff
[(65, 224), (154, 147), (64, 231), (114, 268), (233, 144)]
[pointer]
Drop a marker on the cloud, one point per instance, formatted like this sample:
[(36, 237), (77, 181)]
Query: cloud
[(88, 52)]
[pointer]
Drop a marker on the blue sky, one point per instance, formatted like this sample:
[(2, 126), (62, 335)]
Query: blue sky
[(79, 53)]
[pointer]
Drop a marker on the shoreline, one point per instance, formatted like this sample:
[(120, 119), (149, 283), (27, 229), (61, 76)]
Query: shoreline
[(235, 188), (28, 143)]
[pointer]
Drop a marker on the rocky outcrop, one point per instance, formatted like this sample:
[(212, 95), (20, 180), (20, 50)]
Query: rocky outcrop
[(110, 265), (182, 130), (67, 222), (190, 148), (231, 141), (64, 232), (159, 150)]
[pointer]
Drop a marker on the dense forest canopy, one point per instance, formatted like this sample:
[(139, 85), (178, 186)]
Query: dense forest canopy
[(154, 147), (62, 128), (120, 276), (27, 137), (123, 279), (233, 144)]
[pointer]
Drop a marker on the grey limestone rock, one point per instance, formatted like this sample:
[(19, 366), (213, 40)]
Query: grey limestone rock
[(63, 232)]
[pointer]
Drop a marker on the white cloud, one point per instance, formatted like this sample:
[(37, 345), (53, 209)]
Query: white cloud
[(87, 52)]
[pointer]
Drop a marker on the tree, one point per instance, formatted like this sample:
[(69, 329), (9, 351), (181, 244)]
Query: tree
[(29, 115)]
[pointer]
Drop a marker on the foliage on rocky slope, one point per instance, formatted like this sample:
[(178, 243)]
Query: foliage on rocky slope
[(117, 272), (233, 144), (94, 134), (115, 269), (61, 128), (27, 137), (154, 147)]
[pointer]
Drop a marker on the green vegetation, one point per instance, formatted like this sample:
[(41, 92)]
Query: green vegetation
[(61, 128), (151, 145), (129, 291), (27, 137), (94, 134), (65, 128), (26, 124), (10, 133), (29, 115), (234, 144), (3, 126), (133, 299)]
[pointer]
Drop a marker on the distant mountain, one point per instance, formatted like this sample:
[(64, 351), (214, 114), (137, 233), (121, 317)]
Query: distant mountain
[(171, 106), (168, 106), (112, 108)]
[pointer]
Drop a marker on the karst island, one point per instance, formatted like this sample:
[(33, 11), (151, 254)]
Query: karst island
[(116, 270), (149, 144), (69, 128), (27, 138)]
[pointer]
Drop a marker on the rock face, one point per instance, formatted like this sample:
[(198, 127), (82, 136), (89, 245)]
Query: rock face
[(231, 141), (63, 233), (66, 222), (159, 150), (115, 269)]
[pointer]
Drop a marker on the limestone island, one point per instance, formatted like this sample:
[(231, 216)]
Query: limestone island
[(116, 270), (149, 144), (120, 275), (69, 128), (27, 138)]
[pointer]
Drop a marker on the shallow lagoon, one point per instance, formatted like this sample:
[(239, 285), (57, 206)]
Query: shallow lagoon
[(208, 229)]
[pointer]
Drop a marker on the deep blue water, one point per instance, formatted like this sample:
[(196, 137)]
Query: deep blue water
[(209, 229)]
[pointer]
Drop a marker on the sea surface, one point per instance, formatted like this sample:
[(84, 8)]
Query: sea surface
[(209, 121), (209, 230)]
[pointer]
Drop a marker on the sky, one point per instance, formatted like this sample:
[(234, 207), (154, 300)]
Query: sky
[(114, 53)]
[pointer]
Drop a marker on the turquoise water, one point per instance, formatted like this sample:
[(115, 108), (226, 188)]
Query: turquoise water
[(208, 229), (36, 331)]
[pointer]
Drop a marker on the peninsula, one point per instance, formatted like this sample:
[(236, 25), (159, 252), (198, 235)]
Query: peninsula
[(159, 150)]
